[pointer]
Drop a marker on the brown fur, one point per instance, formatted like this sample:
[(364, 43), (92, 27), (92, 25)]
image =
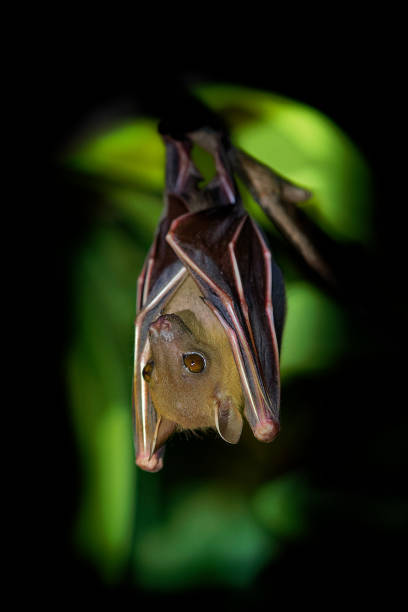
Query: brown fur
[(185, 398)]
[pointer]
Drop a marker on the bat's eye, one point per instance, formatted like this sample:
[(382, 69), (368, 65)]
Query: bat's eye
[(147, 371), (194, 362)]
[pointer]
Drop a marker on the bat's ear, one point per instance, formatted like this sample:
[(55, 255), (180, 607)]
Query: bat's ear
[(228, 420)]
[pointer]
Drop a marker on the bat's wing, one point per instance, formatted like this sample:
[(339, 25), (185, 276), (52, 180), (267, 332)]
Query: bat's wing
[(161, 276), (226, 254), (278, 197)]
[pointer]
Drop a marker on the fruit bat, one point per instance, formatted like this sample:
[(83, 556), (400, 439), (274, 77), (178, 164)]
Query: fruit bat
[(210, 311)]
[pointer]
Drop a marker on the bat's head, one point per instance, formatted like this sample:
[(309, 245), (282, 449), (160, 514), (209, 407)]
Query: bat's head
[(192, 375)]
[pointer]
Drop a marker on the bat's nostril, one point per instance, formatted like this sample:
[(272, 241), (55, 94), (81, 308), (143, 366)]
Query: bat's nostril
[(162, 327), (162, 323)]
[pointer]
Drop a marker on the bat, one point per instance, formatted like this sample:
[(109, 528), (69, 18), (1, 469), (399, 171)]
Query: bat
[(210, 311)]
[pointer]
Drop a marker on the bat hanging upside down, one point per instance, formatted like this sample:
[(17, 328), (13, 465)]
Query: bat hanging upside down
[(210, 312)]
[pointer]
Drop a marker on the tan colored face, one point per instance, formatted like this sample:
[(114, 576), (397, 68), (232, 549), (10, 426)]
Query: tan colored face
[(192, 374)]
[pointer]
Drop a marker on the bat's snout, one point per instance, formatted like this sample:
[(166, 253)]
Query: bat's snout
[(166, 328), (162, 329)]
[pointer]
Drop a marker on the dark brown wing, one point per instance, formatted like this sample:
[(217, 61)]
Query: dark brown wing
[(225, 252), (162, 274)]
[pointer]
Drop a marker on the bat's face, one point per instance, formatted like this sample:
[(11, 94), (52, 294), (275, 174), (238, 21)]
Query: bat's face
[(192, 375)]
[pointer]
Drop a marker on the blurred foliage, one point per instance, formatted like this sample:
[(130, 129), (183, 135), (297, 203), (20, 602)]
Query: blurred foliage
[(307, 147), (201, 532), (314, 345), (130, 153), (280, 505), (210, 535)]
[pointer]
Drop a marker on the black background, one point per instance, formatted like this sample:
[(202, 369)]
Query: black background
[(355, 83)]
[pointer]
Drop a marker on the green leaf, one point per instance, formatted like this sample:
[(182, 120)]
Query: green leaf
[(99, 371), (129, 153), (305, 146), (315, 333)]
